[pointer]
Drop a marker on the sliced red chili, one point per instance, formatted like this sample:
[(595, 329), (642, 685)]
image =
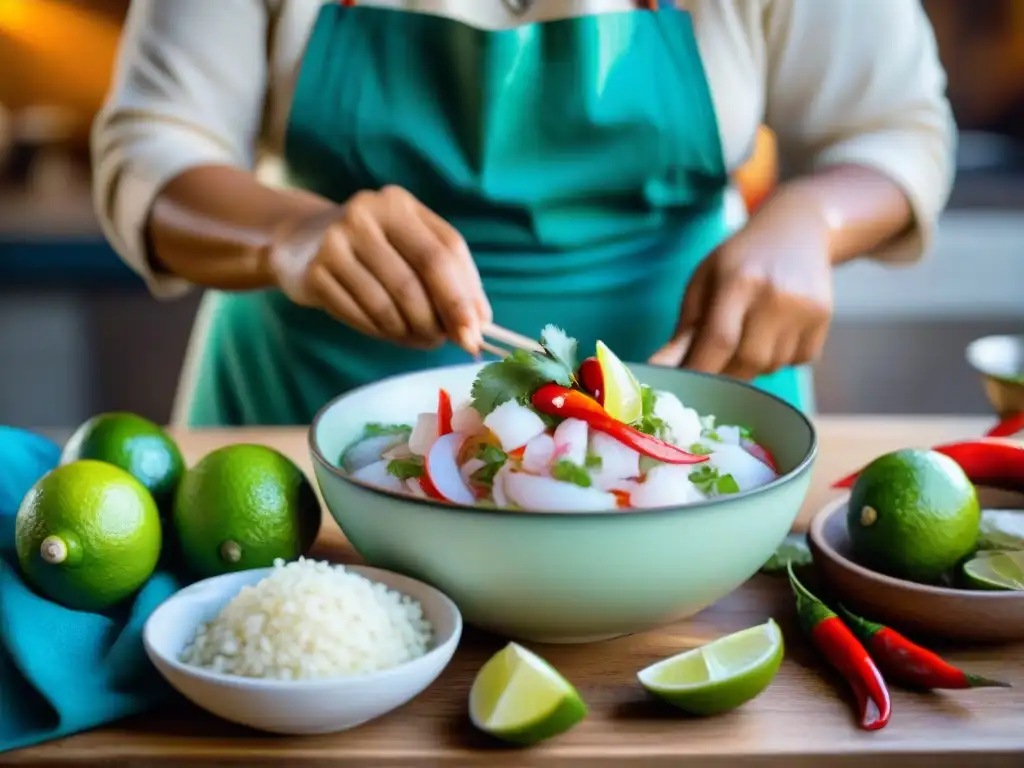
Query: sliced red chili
[(556, 400), (846, 654), (986, 461), (1008, 427), (907, 662), (591, 378), (444, 413), (429, 489), (761, 453)]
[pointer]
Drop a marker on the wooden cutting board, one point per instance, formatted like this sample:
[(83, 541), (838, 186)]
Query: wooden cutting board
[(804, 719)]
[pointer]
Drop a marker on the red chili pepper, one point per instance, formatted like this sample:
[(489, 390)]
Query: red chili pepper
[(845, 653), (429, 489), (761, 453), (556, 400), (444, 413), (986, 461), (1008, 427), (591, 378), (908, 663)]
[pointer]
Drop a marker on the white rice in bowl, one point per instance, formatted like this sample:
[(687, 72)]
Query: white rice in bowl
[(311, 620)]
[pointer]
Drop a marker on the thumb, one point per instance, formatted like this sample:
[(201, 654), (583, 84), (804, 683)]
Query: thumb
[(673, 353)]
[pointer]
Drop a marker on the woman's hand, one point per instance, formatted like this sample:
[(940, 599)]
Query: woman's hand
[(762, 300), (386, 265)]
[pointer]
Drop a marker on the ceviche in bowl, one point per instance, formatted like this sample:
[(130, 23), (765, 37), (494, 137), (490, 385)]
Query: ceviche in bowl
[(563, 496), (544, 431)]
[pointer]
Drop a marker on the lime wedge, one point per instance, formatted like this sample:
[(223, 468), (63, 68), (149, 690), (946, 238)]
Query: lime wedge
[(996, 571), (623, 399), (721, 675), (520, 698)]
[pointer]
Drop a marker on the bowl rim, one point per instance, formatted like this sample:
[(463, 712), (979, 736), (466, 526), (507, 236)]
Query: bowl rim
[(971, 353), (447, 646), (319, 458), (816, 534)]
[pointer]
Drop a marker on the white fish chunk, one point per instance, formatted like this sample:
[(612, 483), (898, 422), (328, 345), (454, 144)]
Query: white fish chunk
[(514, 425)]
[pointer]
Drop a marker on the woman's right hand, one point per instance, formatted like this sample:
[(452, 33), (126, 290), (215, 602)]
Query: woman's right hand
[(386, 265)]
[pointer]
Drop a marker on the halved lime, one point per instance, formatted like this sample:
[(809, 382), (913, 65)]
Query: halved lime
[(996, 571), (623, 399), (721, 675), (520, 698)]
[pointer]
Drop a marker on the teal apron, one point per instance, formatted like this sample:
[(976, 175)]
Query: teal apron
[(579, 158)]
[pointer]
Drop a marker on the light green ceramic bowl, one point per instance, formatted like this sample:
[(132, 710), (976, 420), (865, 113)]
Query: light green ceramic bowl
[(569, 577)]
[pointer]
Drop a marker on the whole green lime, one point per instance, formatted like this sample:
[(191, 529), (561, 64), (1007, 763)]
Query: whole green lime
[(88, 535), (134, 444), (914, 515), (242, 507)]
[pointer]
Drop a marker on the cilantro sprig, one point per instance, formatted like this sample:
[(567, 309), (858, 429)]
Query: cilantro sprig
[(493, 458), (649, 424), (709, 480), (407, 469), (568, 472), (519, 375)]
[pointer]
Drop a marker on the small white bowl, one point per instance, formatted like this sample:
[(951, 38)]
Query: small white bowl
[(295, 706)]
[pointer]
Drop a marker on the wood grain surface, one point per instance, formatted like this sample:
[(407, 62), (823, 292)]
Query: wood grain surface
[(804, 719)]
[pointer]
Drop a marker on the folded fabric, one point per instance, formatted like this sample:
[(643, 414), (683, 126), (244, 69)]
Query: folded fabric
[(63, 671)]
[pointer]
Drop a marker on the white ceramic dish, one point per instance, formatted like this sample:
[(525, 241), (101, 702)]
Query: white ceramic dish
[(295, 707)]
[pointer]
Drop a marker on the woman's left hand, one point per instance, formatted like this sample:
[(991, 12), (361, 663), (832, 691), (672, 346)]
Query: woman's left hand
[(762, 300)]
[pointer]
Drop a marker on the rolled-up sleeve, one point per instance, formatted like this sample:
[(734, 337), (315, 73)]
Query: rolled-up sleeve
[(189, 91), (860, 82)]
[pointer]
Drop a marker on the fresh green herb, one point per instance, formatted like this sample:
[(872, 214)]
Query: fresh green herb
[(713, 435), (520, 374), (649, 423), (746, 434), (793, 550), (708, 480), (560, 346), (593, 462), (485, 475), (697, 449), (490, 453), (494, 458), (375, 429), (406, 469), (568, 472)]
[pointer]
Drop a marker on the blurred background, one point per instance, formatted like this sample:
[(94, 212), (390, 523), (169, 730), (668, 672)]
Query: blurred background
[(79, 334)]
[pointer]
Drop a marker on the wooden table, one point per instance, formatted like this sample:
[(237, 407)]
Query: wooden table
[(803, 719)]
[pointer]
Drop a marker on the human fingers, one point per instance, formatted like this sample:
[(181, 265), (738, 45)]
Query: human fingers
[(339, 259), (719, 332), (440, 265), (337, 301), (674, 351), (766, 328), (377, 255), (448, 234), (812, 340)]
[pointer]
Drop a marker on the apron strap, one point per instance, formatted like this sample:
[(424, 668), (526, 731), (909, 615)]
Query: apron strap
[(650, 5)]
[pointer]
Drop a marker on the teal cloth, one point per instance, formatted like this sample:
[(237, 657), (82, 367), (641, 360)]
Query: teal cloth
[(580, 158), (63, 671)]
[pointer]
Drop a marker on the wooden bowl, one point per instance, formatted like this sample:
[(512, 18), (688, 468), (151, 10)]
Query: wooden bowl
[(1000, 361), (915, 609)]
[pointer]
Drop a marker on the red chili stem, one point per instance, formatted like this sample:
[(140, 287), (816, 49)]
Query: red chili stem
[(1008, 427), (846, 654), (907, 663), (444, 413), (986, 461), (556, 400)]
